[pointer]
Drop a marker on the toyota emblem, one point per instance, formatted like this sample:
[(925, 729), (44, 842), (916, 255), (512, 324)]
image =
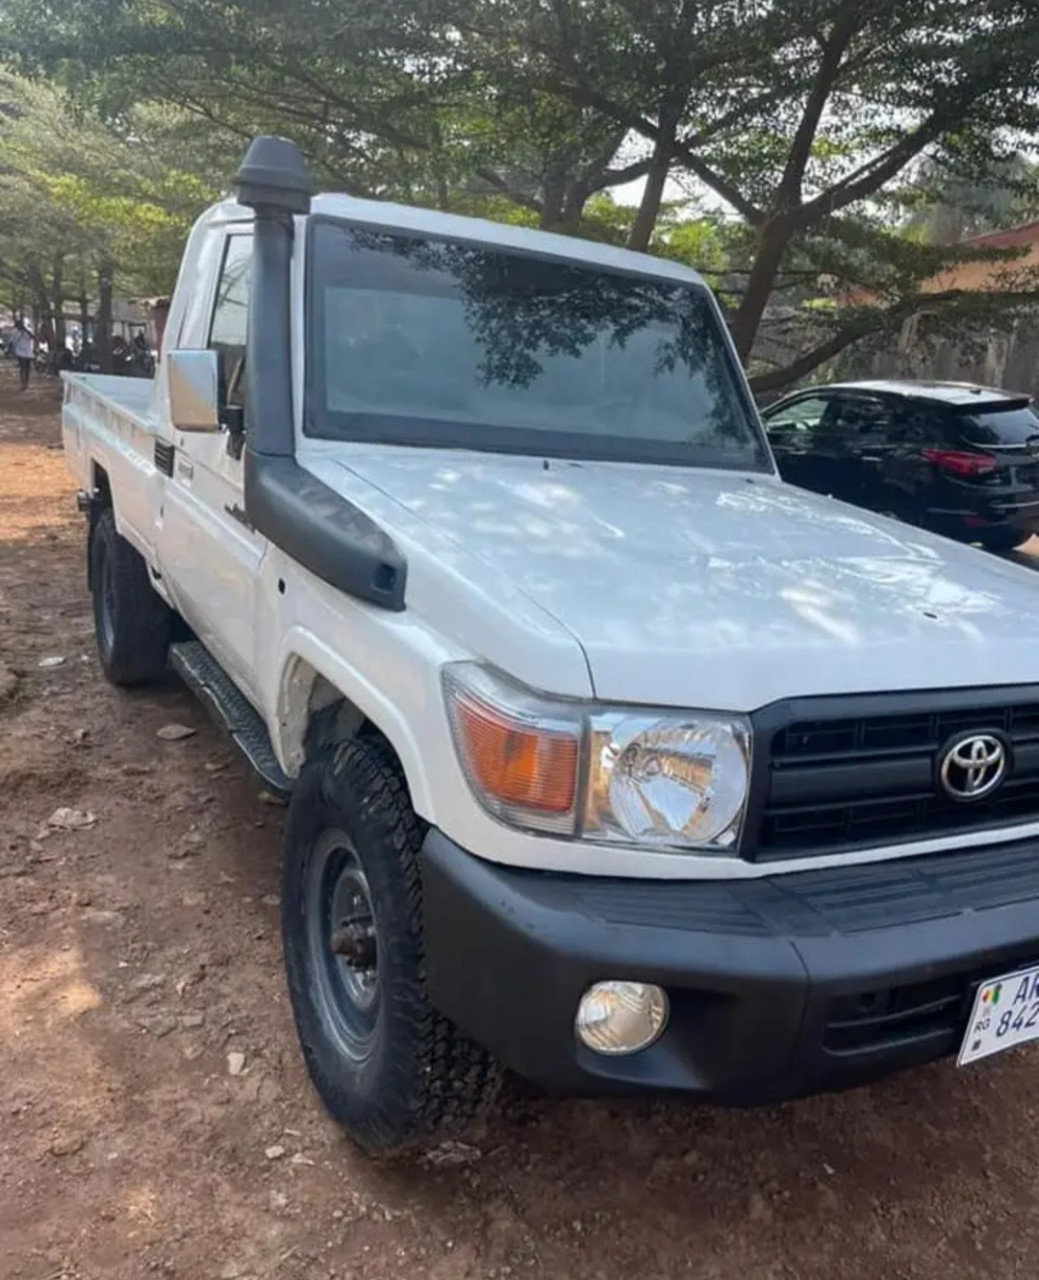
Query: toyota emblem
[(973, 766)]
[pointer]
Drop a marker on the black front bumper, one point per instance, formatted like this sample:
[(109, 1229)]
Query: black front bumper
[(779, 987)]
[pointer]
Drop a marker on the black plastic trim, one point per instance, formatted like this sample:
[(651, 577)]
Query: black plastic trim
[(848, 784), (324, 532), (777, 986), (273, 174), (164, 455), (312, 523), (268, 358), (225, 702), (237, 513)]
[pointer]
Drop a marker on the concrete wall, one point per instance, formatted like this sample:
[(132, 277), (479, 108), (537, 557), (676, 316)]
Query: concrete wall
[(1008, 360)]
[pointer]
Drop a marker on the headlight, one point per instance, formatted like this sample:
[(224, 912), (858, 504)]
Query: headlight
[(661, 779), (666, 780)]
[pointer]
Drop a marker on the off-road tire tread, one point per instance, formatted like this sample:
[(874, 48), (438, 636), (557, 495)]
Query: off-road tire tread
[(143, 623), (441, 1082)]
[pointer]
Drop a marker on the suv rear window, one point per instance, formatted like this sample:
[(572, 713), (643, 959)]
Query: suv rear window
[(1016, 422)]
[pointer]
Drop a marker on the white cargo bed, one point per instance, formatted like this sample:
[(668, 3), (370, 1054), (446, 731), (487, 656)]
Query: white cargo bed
[(109, 429), (127, 395)]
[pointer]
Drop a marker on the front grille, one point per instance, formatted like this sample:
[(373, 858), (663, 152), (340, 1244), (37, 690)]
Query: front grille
[(830, 781), (923, 1012), (932, 1014)]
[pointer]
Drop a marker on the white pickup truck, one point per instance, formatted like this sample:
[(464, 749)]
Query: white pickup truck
[(611, 758)]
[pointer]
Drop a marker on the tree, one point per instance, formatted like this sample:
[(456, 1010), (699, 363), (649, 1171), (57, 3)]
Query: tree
[(377, 96), (800, 117), (81, 202), (947, 203), (803, 119)]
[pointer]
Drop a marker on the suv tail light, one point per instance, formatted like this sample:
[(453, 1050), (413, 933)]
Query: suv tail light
[(957, 463)]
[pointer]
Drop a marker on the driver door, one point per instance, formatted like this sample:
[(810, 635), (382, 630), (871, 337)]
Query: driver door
[(211, 551), (792, 429)]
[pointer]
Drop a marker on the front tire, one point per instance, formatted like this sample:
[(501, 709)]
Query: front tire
[(132, 623), (390, 1069)]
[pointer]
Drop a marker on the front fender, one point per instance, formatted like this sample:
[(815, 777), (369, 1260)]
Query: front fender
[(304, 658)]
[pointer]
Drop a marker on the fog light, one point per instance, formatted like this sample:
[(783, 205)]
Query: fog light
[(620, 1017)]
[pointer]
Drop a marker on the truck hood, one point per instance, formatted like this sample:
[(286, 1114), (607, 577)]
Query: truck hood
[(719, 590)]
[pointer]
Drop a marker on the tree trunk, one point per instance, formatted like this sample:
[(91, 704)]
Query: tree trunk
[(649, 207), (553, 198), (773, 238), (58, 302), (41, 307), (103, 335), (84, 313), (575, 197), (563, 196)]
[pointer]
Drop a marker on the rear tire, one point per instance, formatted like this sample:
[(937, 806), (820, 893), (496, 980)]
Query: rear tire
[(897, 505), (1001, 540), (390, 1069), (132, 623)]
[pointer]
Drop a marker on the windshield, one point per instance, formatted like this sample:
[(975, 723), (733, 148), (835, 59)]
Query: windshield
[(429, 342), (1012, 423)]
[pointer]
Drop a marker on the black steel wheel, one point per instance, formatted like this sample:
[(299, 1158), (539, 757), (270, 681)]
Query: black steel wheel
[(343, 940), (390, 1068)]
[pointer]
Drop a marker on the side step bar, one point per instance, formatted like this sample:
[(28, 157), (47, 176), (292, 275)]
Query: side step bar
[(218, 693)]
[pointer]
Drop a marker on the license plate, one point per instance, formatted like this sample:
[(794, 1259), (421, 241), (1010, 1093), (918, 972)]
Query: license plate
[(1005, 1015)]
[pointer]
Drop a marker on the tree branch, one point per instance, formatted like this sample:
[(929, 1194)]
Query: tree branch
[(500, 184), (617, 177), (871, 176), (776, 379), (585, 95), (788, 193), (750, 107), (863, 326)]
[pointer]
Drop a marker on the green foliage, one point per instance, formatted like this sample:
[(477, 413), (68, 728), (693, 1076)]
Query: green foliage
[(948, 201), (705, 244), (813, 130), (79, 195)]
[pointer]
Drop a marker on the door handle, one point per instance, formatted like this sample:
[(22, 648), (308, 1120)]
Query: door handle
[(185, 467)]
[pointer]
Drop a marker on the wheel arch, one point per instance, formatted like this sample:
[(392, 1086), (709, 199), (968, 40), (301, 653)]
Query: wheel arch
[(100, 491), (322, 701), (100, 485)]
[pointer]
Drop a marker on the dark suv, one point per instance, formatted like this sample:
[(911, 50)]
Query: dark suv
[(959, 460)]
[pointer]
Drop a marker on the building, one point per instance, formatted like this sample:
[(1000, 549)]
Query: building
[(1005, 356)]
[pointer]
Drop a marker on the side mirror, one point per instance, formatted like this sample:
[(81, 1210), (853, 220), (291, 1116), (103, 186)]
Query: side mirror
[(193, 377)]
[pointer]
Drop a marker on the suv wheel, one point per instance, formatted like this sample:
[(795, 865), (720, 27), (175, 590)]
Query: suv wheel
[(133, 624), (388, 1067), (1000, 540)]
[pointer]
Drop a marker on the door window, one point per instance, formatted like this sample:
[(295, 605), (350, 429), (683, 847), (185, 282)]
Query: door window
[(227, 332), (802, 415), (920, 424), (859, 419)]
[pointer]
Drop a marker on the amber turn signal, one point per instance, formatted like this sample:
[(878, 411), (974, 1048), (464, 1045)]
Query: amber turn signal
[(519, 765)]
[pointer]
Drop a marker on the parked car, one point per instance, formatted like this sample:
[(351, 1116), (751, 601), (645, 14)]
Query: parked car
[(610, 756), (959, 460)]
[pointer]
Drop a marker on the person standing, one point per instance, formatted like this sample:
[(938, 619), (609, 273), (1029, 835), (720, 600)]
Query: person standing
[(22, 343)]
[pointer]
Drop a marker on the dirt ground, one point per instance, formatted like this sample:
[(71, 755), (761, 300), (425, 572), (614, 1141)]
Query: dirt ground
[(154, 1114)]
